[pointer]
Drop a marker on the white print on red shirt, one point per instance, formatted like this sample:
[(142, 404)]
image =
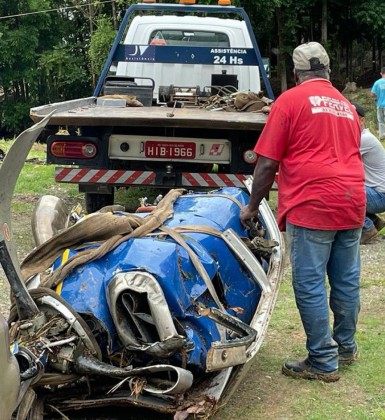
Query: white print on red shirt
[(326, 105)]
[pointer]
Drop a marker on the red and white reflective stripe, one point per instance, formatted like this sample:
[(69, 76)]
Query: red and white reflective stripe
[(104, 176), (122, 177), (212, 180)]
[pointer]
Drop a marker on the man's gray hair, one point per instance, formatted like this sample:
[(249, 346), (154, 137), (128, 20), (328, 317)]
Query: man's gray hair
[(312, 74)]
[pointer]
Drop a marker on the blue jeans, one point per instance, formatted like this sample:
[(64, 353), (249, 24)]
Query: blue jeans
[(315, 253), (375, 203)]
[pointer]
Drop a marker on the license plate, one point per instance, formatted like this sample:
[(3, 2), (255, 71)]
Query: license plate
[(169, 150)]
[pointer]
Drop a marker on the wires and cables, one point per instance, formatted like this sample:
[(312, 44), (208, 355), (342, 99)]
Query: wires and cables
[(59, 9)]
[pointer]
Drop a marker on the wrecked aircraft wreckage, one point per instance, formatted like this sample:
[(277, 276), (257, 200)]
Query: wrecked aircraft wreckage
[(162, 310)]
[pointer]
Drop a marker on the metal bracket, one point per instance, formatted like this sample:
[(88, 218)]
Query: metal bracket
[(232, 352), (247, 258)]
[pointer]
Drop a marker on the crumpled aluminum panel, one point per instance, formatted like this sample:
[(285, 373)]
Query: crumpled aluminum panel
[(157, 313), (169, 263)]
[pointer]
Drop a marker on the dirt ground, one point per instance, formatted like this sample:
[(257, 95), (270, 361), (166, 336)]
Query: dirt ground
[(360, 393), (265, 392), (21, 229)]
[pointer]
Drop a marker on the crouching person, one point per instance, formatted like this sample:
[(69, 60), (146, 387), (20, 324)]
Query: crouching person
[(373, 157)]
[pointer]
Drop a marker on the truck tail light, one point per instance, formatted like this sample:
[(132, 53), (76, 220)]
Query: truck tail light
[(250, 156), (224, 2), (73, 150)]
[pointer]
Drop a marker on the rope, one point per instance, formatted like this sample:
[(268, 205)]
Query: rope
[(109, 229), (112, 230)]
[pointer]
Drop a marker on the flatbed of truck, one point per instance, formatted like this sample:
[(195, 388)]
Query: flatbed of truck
[(84, 111)]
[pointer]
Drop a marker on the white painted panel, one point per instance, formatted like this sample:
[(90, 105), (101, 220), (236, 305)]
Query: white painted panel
[(165, 74)]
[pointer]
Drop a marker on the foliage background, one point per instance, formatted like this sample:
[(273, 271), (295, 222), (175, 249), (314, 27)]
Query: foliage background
[(56, 55)]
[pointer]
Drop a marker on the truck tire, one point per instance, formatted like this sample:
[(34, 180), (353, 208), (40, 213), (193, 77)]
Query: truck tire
[(95, 201)]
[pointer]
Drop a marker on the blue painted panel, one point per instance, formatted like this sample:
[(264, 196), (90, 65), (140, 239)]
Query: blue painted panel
[(201, 332), (169, 263), (218, 212), (85, 288)]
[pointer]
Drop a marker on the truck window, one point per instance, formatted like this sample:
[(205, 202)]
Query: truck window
[(175, 37)]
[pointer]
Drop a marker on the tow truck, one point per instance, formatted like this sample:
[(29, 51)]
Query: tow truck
[(195, 69), (165, 309)]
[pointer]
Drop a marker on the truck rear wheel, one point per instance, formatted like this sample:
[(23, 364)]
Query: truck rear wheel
[(95, 201)]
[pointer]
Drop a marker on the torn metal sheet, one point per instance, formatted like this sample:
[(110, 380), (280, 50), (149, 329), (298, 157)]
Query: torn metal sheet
[(157, 379), (10, 170), (136, 302)]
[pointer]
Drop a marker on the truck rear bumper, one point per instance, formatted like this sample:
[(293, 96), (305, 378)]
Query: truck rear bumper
[(123, 178)]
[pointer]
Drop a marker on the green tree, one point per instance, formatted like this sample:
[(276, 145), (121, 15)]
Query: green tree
[(44, 58), (100, 44), (56, 56)]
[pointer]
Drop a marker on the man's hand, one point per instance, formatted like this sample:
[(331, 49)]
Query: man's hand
[(246, 215), (263, 178)]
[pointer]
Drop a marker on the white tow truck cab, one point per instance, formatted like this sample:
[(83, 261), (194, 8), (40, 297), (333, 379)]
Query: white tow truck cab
[(228, 40)]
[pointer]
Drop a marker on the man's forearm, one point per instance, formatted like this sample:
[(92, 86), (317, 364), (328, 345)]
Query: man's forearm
[(264, 175)]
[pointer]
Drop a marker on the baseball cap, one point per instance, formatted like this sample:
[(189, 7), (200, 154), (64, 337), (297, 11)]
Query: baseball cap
[(359, 108), (310, 56)]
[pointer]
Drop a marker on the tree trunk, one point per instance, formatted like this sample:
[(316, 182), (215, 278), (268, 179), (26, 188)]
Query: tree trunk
[(324, 23), (311, 29), (374, 67), (114, 17), (347, 62), (281, 65), (91, 11), (91, 22), (16, 90)]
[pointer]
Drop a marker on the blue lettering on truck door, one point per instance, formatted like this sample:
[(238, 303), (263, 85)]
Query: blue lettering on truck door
[(186, 55)]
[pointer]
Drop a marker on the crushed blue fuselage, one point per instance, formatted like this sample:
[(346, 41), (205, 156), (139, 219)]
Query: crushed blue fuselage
[(183, 288)]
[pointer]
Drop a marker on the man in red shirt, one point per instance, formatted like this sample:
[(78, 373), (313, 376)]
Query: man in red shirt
[(313, 136)]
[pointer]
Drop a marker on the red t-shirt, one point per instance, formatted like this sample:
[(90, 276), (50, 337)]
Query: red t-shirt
[(314, 132)]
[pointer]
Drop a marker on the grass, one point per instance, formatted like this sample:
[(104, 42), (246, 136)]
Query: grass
[(360, 393), (36, 178), (365, 99), (265, 392)]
